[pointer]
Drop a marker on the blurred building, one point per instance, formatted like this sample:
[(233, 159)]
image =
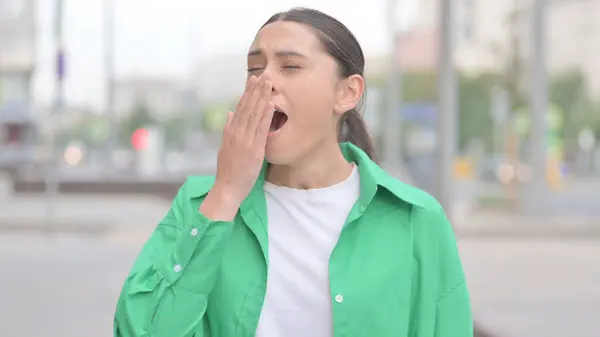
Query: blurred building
[(487, 32), (221, 78), (17, 63), (162, 96)]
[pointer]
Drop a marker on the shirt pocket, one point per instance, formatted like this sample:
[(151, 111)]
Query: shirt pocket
[(179, 313)]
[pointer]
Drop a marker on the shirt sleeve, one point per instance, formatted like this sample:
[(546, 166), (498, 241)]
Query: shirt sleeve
[(453, 316), (166, 291), (453, 313)]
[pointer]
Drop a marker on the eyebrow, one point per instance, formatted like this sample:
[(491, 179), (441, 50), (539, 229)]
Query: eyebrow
[(279, 53)]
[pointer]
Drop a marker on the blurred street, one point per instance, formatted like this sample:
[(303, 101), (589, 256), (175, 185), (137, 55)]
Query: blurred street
[(66, 284), (534, 287), (62, 287), (580, 198)]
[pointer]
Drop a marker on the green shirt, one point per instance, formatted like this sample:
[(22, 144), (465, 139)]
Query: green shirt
[(396, 264)]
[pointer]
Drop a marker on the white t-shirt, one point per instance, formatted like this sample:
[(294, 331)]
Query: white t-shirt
[(304, 226)]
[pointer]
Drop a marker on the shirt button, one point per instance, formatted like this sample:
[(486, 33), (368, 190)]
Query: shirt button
[(339, 298), (177, 268), (194, 232)]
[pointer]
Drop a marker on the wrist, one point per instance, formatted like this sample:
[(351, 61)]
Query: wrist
[(220, 205)]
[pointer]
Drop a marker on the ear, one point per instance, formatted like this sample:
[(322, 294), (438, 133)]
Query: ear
[(350, 91)]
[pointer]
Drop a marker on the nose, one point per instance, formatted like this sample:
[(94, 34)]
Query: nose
[(271, 75)]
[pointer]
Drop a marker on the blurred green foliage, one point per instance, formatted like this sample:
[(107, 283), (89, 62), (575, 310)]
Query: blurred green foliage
[(567, 90)]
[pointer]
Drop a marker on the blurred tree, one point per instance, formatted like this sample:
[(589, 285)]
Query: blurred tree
[(179, 126), (475, 122), (175, 129), (568, 91), (474, 102), (419, 87), (91, 130), (585, 114), (513, 79)]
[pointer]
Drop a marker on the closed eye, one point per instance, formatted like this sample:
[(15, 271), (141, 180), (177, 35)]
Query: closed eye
[(251, 70)]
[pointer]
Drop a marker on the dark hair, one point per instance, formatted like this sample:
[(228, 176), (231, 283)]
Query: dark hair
[(342, 45)]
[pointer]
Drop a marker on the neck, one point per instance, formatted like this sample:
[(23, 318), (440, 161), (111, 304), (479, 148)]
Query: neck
[(325, 166)]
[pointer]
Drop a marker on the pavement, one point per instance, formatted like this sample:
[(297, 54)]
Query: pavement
[(527, 287), (67, 285), (64, 286)]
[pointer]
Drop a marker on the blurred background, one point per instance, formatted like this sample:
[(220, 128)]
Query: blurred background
[(493, 106)]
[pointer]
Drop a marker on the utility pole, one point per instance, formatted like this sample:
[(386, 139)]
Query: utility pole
[(392, 141), (109, 52), (447, 108), (539, 107), (52, 170)]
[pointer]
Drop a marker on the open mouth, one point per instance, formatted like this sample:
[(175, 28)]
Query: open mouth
[(278, 121)]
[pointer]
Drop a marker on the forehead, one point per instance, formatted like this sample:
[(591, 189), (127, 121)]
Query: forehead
[(287, 35)]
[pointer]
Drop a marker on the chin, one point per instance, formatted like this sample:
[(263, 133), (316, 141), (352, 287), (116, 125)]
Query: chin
[(275, 157), (278, 154)]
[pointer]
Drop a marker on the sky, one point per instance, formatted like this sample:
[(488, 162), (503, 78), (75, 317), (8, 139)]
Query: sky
[(158, 38)]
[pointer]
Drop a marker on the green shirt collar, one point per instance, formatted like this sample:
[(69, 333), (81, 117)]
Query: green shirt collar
[(372, 179)]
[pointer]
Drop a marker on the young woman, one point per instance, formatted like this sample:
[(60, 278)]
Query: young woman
[(300, 233)]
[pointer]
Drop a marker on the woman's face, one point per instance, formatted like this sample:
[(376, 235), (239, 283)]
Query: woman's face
[(307, 88)]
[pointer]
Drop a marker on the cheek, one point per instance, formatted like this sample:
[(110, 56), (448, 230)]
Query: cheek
[(314, 103)]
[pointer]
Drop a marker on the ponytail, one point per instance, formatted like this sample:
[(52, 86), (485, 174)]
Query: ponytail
[(354, 130)]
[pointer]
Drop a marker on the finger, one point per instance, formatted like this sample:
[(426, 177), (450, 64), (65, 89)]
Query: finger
[(240, 120), (261, 106), (229, 119), (262, 132), (250, 85)]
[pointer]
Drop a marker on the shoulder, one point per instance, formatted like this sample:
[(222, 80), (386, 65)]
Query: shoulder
[(428, 217), (414, 196)]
